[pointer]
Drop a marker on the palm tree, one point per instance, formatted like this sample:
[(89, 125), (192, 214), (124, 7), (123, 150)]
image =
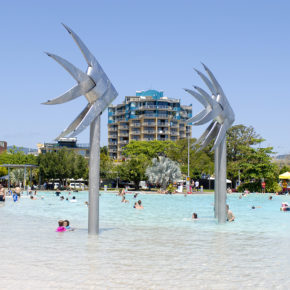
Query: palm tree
[(17, 176), (163, 171)]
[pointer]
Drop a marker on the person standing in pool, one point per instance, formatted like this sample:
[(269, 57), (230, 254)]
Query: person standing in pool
[(2, 193), (230, 215), (138, 205)]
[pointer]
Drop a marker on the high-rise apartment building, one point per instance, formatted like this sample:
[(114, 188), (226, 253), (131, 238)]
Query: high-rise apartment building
[(145, 117)]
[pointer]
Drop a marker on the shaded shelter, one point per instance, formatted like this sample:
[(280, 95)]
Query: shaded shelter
[(25, 166)]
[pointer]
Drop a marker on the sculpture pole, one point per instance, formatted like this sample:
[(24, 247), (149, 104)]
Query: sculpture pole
[(218, 110), (94, 177), (216, 181), (99, 92), (222, 183)]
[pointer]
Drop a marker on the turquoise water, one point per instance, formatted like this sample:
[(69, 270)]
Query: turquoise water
[(159, 247)]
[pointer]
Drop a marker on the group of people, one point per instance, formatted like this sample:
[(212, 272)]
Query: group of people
[(137, 204), (230, 215), (63, 226)]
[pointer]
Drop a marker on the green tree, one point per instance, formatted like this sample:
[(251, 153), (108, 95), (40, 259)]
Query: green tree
[(62, 164), (199, 161), (150, 149), (133, 169), (239, 140)]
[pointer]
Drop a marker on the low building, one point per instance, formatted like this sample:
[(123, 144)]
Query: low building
[(68, 143), (3, 146), (147, 116)]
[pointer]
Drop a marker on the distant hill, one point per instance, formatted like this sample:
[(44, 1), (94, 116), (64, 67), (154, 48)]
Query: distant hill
[(23, 149), (284, 156)]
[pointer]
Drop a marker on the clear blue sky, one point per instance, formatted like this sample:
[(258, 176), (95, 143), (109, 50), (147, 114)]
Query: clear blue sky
[(142, 45)]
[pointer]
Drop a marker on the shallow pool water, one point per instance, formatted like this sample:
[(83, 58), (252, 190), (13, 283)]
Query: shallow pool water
[(159, 247)]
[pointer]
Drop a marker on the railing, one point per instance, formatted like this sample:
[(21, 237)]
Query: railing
[(148, 107), (113, 135), (174, 133), (160, 124), (148, 139), (113, 143), (112, 150), (148, 131), (151, 124), (113, 129), (135, 125), (123, 134), (123, 142), (124, 127), (135, 132), (120, 112)]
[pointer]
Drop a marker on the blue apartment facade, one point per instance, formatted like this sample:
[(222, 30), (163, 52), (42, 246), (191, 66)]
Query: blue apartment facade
[(147, 116)]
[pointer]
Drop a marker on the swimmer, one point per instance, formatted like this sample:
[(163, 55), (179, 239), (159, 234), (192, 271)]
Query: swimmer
[(60, 228), (86, 203), (124, 199), (62, 198), (270, 197), (135, 195), (138, 205), (67, 226), (230, 215), (240, 197), (254, 207), (32, 197), (194, 216), (73, 199)]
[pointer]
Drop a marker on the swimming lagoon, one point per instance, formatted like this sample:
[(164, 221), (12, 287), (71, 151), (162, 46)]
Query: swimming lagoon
[(159, 247)]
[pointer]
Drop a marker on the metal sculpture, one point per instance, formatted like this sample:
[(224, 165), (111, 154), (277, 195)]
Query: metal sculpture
[(98, 90), (218, 110)]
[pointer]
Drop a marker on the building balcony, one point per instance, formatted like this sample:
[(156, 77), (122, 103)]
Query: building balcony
[(135, 132), (135, 125), (113, 143), (149, 139), (174, 126), (123, 134), (124, 127), (112, 150), (113, 129), (118, 113), (113, 136), (174, 133), (123, 141), (149, 115), (162, 124), (165, 116), (162, 131), (150, 107), (148, 132), (150, 124)]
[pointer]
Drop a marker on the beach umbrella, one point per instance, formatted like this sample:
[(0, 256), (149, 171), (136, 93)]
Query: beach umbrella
[(285, 175)]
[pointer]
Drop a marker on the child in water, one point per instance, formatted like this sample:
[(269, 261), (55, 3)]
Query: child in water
[(61, 227), (67, 226)]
